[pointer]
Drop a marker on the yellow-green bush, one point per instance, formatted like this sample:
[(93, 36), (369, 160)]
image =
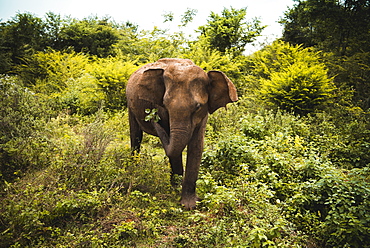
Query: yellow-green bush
[(291, 78), (49, 71), (111, 76), (300, 88), (81, 95), (77, 82)]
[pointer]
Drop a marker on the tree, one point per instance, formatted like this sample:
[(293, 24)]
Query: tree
[(229, 32), (341, 29), (54, 24), (188, 16), (335, 26), (20, 36), (91, 35)]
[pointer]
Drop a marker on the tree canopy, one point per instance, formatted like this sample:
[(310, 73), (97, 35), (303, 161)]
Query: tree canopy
[(339, 28), (26, 34), (332, 25), (230, 31)]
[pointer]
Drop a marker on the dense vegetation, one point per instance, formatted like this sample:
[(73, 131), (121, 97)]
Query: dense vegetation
[(285, 166)]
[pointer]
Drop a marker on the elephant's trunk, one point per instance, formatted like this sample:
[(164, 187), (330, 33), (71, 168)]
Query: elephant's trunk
[(179, 138), (176, 141)]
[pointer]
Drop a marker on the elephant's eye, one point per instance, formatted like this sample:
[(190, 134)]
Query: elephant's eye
[(198, 106)]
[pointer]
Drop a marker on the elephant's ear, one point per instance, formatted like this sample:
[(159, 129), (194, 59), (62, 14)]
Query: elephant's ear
[(221, 92), (151, 86)]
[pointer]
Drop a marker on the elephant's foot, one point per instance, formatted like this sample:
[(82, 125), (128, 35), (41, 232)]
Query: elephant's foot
[(189, 201)]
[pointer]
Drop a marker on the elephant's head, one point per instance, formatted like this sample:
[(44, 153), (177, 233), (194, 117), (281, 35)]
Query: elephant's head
[(187, 94)]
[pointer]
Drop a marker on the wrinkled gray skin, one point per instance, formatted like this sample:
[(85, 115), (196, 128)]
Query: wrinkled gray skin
[(183, 94)]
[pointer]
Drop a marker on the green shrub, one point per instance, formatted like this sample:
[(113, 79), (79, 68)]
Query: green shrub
[(291, 78), (300, 88), (90, 171), (266, 123), (266, 137), (293, 158), (343, 136), (49, 71), (22, 116), (111, 76), (333, 208), (35, 215), (81, 95)]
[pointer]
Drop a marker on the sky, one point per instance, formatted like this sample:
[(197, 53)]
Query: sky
[(149, 13)]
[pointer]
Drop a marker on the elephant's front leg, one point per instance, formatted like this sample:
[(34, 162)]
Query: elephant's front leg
[(177, 170), (175, 161), (194, 156)]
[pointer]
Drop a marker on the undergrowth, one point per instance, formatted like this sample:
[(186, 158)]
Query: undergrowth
[(267, 179)]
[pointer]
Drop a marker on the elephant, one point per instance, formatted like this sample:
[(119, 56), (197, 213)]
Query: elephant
[(171, 99)]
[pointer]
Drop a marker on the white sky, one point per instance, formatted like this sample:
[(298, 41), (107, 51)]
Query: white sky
[(149, 13)]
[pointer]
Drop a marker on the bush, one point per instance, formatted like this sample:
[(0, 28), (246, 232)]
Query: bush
[(111, 76), (292, 157), (77, 82), (291, 78), (300, 88), (81, 96), (90, 170), (343, 136), (49, 71), (333, 208), (22, 116)]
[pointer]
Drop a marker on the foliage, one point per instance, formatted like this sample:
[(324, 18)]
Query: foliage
[(339, 28), (81, 95), (91, 35), (75, 82), (49, 71), (352, 74), (335, 26), (342, 136), (152, 115), (324, 200), (149, 46), (337, 203), (301, 88), (292, 78), (268, 177), (22, 116), (211, 59), (26, 34), (21, 36), (188, 16), (229, 32), (63, 77), (111, 76)]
